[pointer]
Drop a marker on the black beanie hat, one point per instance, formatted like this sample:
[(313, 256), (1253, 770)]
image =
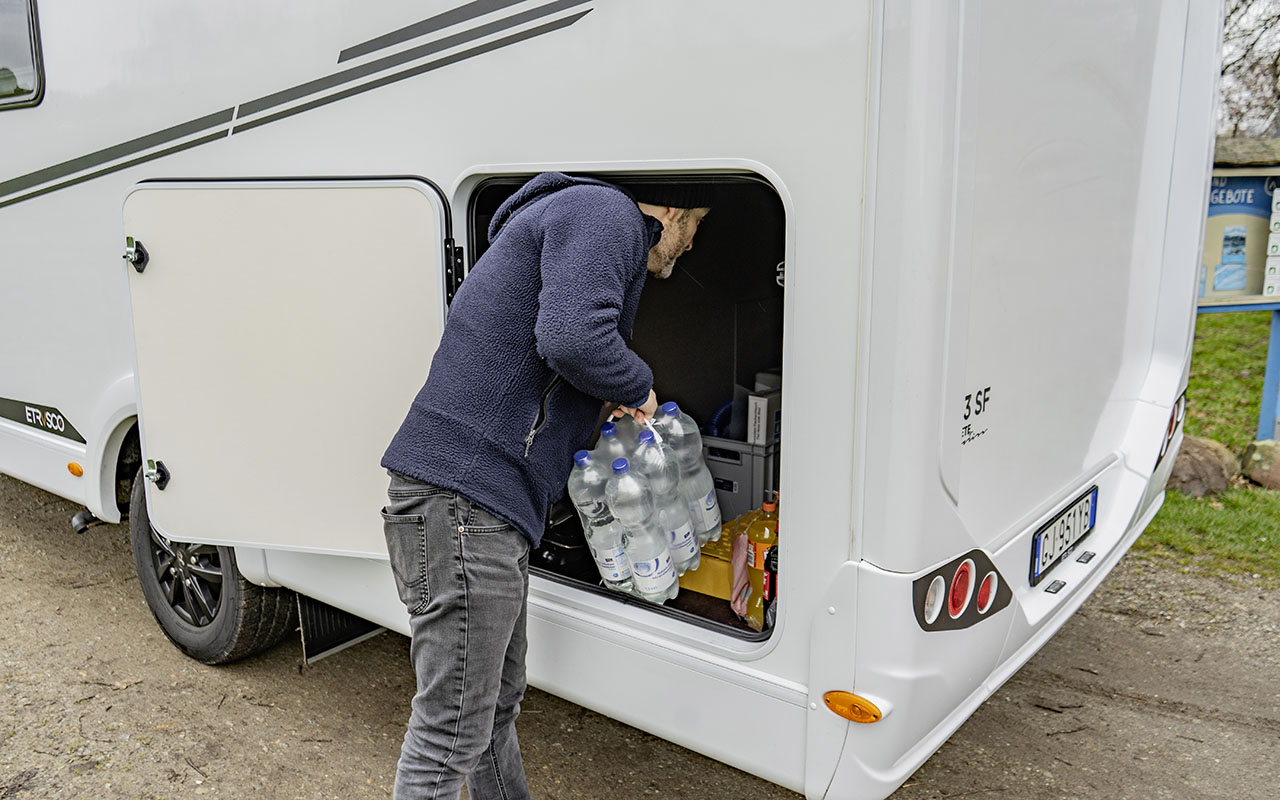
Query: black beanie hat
[(675, 195)]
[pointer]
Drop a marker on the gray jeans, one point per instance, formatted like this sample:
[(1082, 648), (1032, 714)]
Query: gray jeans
[(464, 576)]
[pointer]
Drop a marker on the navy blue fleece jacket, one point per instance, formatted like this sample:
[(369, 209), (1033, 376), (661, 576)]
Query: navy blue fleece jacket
[(535, 340)]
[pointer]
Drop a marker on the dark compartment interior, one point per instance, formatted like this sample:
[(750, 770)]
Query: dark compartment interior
[(713, 324)]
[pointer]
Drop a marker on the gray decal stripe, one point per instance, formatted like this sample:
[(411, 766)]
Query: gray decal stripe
[(227, 115), (117, 167), (116, 151), (418, 70), (43, 418), (430, 25), (354, 73)]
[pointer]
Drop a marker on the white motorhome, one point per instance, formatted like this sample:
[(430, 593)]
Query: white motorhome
[(968, 231)]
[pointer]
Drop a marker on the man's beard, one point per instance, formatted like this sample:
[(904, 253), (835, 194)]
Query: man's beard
[(663, 255), (661, 265)]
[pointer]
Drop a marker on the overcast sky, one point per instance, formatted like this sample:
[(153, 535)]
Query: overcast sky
[(15, 44)]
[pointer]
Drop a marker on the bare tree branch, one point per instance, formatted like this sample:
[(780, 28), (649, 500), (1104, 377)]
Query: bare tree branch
[(1249, 85)]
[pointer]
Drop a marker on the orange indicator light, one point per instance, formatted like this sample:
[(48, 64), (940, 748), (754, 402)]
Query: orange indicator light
[(852, 707), (75, 469)]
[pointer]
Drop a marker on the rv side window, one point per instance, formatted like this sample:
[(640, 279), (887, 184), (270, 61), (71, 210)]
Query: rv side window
[(21, 81)]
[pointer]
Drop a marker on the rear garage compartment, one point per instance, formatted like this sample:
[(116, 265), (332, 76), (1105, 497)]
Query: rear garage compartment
[(712, 333)]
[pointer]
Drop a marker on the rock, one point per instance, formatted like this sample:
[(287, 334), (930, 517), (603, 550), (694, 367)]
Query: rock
[(1203, 467), (1262, 464)]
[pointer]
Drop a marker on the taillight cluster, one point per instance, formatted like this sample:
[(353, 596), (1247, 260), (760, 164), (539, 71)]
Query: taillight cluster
[(956, 588), (1175, 419)]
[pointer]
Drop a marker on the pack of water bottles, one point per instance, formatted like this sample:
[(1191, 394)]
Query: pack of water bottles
[(647, 502)]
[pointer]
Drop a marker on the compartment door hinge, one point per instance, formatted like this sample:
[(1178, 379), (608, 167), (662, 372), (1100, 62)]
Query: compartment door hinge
[(454, 270)]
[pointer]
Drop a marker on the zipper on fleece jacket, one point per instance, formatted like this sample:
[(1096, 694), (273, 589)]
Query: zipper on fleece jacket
[(541, 420)]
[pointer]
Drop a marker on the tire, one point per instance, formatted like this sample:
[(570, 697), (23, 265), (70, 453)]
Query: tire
[(218, 617)]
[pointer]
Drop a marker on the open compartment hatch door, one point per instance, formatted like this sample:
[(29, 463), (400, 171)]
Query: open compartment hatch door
[(282, 328)]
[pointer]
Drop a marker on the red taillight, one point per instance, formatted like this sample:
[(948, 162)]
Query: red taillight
[(961, 589), (987, 592)]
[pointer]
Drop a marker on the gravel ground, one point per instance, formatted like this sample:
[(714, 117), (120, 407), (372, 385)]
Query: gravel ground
[(1165, 685)]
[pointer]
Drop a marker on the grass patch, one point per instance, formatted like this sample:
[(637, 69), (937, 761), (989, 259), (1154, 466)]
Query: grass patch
[(1233, 533), (1225, 387), (1238, 531)]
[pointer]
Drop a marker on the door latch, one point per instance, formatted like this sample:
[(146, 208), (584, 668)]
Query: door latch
[(157, 473), (135, 253)]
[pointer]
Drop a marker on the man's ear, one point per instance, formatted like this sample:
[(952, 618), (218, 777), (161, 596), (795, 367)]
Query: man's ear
[(668, 214)]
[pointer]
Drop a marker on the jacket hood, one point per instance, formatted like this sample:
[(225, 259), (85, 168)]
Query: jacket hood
[(536, 189)]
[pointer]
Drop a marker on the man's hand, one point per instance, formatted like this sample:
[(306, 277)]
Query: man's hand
[(642, 414)]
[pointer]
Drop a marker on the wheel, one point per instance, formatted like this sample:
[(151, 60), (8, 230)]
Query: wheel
[(201, 601)]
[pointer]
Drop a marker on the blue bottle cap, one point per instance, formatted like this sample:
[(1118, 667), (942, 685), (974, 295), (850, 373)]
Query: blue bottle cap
[(646, 436), (582, 458), (670, 408), (620, 466), (608, 429)]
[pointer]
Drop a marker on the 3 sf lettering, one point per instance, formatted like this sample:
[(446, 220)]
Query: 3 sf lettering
[(976, 403), (45, 419)]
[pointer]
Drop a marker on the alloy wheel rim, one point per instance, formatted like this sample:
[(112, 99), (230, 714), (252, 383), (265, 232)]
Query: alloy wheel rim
[(190, 578)]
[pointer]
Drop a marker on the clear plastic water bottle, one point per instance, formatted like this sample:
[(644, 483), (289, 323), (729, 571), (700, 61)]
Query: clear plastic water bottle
[(657, 463), (652, 569), (698, 491), (609, 448), (603, 533), (628, 430), (697, 488), (679, 430)]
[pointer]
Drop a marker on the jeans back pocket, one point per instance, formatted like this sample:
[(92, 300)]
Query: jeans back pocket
[(406, 536)]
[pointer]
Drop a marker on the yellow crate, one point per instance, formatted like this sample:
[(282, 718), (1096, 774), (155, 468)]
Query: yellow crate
[(714, 575)]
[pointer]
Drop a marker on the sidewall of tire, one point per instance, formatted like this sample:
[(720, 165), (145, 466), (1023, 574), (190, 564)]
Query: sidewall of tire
[(212, 643)]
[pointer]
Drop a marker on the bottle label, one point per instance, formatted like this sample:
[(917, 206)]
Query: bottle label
[(709, 513), (596, 511), (655, 575), (683, 542), (755, 556), (695, 512), (613, 563)]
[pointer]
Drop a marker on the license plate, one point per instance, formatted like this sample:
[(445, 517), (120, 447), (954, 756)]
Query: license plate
[(1060, 535)]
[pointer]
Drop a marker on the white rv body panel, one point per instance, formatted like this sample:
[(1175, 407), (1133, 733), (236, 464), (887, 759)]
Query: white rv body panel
[(959, 183), (1038, 124)]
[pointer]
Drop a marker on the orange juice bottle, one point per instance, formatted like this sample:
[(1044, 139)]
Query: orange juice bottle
[(761, 535), (743, 522)]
